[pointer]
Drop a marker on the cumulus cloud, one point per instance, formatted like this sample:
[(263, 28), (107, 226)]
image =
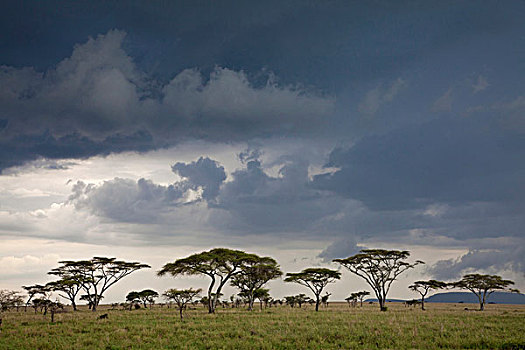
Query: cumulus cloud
[(97, 101), (204, 173)]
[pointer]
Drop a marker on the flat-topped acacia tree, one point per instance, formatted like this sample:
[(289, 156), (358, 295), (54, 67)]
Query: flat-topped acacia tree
[(220, 264), (483, 286), (379, 268), (315, 279), (96, 275), (68, 286), (423, 287)]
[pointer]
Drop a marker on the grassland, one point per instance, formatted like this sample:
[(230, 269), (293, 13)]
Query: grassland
[(335, 327)]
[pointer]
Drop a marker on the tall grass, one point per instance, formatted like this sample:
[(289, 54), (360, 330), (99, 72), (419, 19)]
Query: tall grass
[(441, 326)]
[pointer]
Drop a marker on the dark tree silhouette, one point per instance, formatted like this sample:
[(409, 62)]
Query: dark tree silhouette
[(483, 286), (379, 268), (354, 297), (423, 287), (10, 299), (69, 287), (315, 279), (96, 275), (181, 297), (148, 296), (298, 299), (255, 273), (34, 290), (133, 298), (220, 264)]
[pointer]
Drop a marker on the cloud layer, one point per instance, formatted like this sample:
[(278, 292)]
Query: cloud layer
[(97, 101)]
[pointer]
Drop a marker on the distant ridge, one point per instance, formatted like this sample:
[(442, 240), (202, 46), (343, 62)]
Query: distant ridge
[(468, 297)]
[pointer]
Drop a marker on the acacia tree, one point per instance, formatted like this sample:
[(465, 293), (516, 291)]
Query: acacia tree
[(315, 279), (36, 289), (9, 299), (181, 297), (483, 286), (220, 264), (358, 296), (379, 268), (255, 273), (423, 287), (145, 296), (96, 275), (68, 286)]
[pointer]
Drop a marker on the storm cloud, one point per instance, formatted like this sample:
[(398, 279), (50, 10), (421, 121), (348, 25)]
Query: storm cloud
[(97, 102)]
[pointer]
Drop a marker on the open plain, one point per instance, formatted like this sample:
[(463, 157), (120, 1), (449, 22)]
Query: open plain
[(336, 327)]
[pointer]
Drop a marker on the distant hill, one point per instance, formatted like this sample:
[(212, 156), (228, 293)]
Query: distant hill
[(468, 297)]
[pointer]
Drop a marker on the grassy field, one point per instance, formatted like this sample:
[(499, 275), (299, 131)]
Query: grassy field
[(335, 327)]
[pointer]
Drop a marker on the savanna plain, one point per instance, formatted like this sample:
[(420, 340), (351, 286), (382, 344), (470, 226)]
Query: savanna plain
[(337, 326)]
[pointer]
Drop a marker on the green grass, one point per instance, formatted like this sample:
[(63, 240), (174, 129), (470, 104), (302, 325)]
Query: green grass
[(441, 326)]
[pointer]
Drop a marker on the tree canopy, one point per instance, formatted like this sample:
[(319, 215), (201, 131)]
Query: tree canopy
[(379, 268), (220, 264), (315, 279), (483, 286), (96, 275), (423, 287), (255, 273), (68, 286), (181, 297)]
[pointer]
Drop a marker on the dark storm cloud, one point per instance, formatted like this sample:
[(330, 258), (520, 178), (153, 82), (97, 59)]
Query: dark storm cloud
[(204, 173), (446, 160), (98, 102)]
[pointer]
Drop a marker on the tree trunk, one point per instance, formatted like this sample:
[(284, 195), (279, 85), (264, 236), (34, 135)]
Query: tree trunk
[(181, 315), (382, 304), (317, 303), (250, 303), (423, 303), (52, 316)]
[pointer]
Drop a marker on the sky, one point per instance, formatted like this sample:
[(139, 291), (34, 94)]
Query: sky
[(300, 130)]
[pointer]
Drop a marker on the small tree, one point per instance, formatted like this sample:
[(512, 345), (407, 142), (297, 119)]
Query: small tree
[(315, 279), (379, 268), (96, 275), (35, 290), (483, 286), (352, 300), (255, 273), (423, 287), (69, 287), (181, 297), (148, 296), (219, 264), (133, 298), (354, 297), (261, 294), (10, 299)]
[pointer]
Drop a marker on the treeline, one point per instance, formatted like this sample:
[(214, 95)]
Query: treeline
[(88, 280)]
